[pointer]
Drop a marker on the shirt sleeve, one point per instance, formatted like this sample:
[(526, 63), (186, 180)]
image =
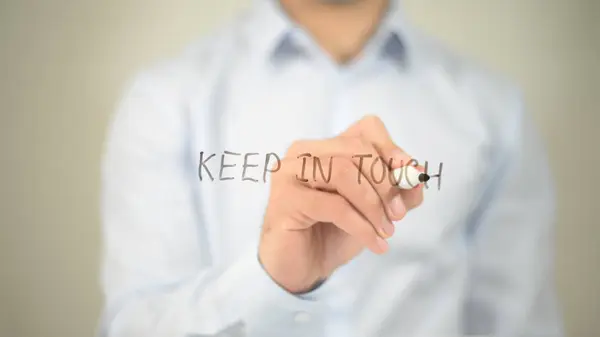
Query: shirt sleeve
[(511, 290), (157, 276)]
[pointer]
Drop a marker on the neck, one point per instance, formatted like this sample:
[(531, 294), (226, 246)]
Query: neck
[(341, 27)]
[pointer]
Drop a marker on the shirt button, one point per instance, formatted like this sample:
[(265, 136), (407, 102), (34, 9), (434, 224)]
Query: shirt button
[(302, 317)]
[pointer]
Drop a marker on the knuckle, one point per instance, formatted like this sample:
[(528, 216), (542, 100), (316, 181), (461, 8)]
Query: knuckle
[(363, 147), (372, 119), (296, 148), (355, 143)]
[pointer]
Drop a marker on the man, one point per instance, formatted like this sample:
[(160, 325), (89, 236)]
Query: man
[(242, 190)]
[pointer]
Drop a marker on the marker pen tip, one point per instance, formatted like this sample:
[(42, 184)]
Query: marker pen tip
[(424, 177)]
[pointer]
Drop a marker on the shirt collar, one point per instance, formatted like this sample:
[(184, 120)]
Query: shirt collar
[(272, 32)]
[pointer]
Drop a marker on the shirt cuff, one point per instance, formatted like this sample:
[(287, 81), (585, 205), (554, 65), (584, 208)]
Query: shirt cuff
[(264, 307)]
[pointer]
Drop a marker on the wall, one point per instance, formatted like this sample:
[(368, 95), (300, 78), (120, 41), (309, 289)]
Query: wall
[(63, 64)]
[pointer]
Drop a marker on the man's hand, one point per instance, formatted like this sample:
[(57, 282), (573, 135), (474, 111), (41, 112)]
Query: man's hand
[(313, 226)]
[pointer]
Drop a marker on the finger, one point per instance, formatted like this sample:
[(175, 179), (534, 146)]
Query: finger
[(382, 179), (362, 196), (321, 206), (372, 129), (413, 197), (317, 161)]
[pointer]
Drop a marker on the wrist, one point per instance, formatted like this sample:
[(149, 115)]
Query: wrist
[(289, 280)]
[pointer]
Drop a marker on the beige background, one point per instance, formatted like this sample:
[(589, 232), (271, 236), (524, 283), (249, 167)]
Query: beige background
[(63, 64)]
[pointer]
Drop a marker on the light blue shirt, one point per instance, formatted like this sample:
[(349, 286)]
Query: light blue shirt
[(180, 253)]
